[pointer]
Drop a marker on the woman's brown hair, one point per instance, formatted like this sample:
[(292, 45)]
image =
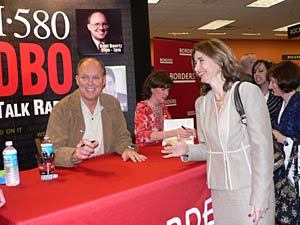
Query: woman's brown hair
[(224, 57)]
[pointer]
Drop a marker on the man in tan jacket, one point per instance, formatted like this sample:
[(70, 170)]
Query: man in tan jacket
[(87, 122)]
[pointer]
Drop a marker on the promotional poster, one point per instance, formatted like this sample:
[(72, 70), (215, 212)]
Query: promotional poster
[(39, 51)]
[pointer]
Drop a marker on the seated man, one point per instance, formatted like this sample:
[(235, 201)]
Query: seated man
[(88, 122)]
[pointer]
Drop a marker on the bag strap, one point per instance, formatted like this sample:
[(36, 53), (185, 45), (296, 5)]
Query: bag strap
[(296, 173), (290, 162), (239, 105), (293, 156)]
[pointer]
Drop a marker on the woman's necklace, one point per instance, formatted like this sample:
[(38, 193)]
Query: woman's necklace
[(157, 110), (220, 102)]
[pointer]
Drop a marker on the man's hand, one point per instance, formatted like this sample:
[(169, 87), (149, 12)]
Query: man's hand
[(133, 155), (84, 149)]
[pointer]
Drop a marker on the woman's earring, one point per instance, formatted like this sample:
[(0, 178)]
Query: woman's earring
[(221, 74)]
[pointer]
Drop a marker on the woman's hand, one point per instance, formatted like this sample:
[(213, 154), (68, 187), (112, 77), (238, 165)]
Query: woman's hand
[(176, 149), (185, 132), (256, 214), (279, 136)]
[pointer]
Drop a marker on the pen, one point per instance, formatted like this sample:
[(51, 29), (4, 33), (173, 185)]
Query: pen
[(183, 127), (84, 144)]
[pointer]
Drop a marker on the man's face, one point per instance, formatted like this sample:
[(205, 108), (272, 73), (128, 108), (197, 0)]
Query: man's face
[(98, 26), (90, 80)]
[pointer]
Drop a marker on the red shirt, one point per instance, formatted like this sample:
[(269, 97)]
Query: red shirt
[(146, 121)]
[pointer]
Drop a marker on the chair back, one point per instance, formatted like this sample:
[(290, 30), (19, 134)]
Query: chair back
[(38, 143)]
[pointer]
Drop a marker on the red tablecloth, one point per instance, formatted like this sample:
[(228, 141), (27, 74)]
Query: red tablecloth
[(107, 191)]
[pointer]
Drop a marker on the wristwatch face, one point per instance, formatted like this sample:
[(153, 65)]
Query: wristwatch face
[(133, 147)]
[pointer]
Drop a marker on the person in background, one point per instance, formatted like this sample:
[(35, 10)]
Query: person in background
[(259, 72), (2, 198), (247, 62), (88, 123), (151, 112), (239, 157), (110, 88), (284, 81)]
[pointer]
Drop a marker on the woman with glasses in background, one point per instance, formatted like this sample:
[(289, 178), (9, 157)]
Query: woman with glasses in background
[(284, 81)]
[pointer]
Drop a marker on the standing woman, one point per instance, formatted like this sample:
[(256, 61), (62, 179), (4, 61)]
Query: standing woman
[(259, 72), (239, 157), (151, 112), (285, 79)]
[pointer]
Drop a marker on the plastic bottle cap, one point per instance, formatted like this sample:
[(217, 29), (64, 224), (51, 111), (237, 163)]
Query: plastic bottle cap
[(46, 137), (8, 143)]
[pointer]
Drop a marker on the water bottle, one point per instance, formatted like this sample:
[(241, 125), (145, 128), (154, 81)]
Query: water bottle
[(12, 177), (47, 147)]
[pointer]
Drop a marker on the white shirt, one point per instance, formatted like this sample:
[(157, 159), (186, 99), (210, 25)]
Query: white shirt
[(101, 45), (97, 43), (267, 96), (93, 126)]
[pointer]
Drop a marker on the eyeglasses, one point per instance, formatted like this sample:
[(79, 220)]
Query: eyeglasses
[(104, 26), (94, 79)]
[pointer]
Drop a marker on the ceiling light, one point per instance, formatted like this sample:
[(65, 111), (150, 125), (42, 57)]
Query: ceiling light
[(264, 3), (153, 1), (178, 33), (216, 24), (281, 35), (251, 34), (285, 28), (216, 33)]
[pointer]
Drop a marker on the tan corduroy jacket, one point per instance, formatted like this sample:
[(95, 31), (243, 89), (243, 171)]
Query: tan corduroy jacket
[(238, 156), (66, 124)]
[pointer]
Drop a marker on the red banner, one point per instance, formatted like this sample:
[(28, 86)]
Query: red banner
[(174, 57)]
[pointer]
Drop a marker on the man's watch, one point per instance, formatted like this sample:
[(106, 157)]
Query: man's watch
[(133, 147)]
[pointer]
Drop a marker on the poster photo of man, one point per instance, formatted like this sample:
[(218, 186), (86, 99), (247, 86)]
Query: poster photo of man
[(116, 84), (99, 31)]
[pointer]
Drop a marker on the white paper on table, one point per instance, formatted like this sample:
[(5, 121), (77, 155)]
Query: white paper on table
[(171, 124)]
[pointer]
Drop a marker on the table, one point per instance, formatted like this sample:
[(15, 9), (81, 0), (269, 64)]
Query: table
[(107, 191)]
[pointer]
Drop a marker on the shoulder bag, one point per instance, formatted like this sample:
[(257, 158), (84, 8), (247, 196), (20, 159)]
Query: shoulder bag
[(278, 151)]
